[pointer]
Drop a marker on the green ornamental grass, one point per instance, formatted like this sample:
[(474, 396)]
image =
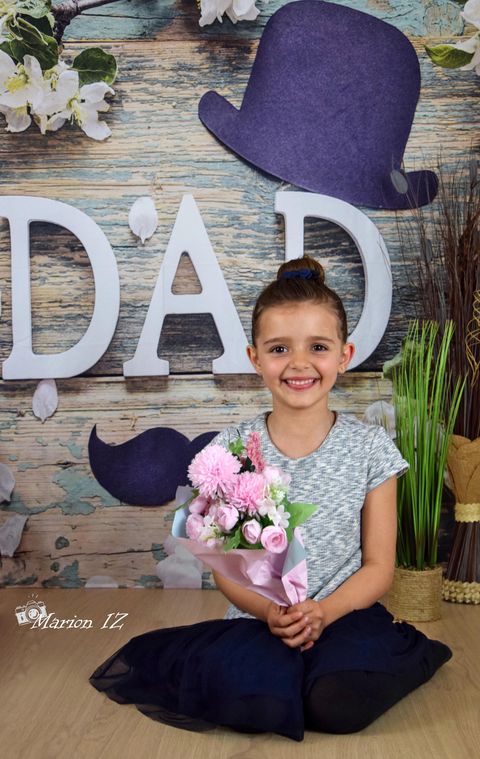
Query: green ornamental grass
[(425, 409)]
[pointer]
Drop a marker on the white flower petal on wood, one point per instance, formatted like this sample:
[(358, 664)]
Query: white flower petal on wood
[(143, 218), (7, 483), (45, 399), (101, 581), (11, 534), (383, 414), (180, 569)]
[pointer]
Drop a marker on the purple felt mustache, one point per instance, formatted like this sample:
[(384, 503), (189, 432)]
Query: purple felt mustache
[(146, 470)]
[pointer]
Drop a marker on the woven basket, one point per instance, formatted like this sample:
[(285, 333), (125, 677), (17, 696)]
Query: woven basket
[(464, 468), (462, 578), (416, 595)]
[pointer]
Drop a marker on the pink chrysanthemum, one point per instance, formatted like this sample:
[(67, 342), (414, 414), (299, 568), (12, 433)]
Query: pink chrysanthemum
[(254, 451), (246, 491), (213, 470)]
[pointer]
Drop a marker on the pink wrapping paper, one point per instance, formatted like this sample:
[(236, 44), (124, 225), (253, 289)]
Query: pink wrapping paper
[(280, 577)]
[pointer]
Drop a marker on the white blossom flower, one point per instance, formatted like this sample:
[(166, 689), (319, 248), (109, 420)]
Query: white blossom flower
[(18, 119), (21, 84), (84, 108), (61, 88), (471, 45), (242, 10), (236, 10), (471, 12)]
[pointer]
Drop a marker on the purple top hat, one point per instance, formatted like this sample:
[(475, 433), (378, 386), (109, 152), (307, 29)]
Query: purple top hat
[(329, 106)]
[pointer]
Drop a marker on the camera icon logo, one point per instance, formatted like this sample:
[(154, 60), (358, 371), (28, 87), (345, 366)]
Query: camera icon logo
[(30, 612)]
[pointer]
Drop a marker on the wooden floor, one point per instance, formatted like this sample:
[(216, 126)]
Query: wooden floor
[(50, 710)]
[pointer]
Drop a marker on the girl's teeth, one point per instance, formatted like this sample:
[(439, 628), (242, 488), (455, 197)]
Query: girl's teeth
[(300, 382)]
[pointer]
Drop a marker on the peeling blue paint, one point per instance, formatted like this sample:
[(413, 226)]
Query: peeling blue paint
[(75, 449), (13, 458), (55, 566), (41, 441), (17, 506), (68, 578), (61, 542), (148, 581), (78, 488), (24, 465), (158, 551), (10, 581), (207, 581)]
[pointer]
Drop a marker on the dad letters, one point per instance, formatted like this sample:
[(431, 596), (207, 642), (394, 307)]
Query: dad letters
[(188, 235)]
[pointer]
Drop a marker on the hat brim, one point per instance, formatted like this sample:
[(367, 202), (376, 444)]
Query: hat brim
[(227, 124)]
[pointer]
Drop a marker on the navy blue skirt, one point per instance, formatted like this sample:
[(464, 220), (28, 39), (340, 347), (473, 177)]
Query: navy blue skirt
[(235, 673)]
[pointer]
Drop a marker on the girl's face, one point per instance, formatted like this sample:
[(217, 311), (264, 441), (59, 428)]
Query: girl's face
[(299, 353)]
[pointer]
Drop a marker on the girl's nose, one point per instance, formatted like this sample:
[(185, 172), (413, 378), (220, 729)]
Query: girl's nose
[(299, 358)]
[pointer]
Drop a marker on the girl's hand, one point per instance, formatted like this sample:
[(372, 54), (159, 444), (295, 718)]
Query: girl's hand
[(291, 626), (314, 616)]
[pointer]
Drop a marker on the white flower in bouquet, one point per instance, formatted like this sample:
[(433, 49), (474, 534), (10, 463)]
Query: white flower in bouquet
[(281, 517)]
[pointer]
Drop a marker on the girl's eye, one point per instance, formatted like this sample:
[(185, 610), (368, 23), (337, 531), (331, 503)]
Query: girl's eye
[(278, 349), (319, 347)]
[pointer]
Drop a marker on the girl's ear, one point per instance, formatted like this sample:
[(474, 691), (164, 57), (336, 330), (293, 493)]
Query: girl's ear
[(347, 355), (252, 355)]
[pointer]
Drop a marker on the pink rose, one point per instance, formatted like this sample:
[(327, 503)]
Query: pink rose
[(274, 539), (198, 505), (194, 526), (226, 517), (251, 531)]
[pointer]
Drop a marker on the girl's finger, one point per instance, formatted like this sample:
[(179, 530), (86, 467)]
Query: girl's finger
[(294, 629), (298, 640), (288, 619)]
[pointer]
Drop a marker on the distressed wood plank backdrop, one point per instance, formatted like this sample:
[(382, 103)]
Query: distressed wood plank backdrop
[(75, 530)]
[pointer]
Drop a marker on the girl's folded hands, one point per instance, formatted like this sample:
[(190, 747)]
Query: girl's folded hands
[(298, 626)]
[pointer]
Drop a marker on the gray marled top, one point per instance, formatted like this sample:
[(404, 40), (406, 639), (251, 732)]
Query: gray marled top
[(353, 459)]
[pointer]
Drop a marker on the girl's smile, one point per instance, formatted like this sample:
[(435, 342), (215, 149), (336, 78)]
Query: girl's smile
[(299, 353)]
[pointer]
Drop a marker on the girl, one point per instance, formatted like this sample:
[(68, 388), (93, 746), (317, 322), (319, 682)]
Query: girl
[(337, 661)]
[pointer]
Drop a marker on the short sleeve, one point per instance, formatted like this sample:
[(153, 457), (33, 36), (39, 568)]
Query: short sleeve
[(222, 438), (385, 460)]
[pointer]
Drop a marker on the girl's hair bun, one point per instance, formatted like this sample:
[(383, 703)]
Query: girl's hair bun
[(302, 268), (298, 281)]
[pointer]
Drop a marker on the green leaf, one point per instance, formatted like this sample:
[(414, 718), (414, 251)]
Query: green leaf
[(34, 8), (95, 65), (448, 56), (6, 47), (234, 540), (42, 24), (29, 40), (300, 512), (236, 446)]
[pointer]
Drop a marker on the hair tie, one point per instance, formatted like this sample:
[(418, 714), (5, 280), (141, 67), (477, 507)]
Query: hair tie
[(303, 273)]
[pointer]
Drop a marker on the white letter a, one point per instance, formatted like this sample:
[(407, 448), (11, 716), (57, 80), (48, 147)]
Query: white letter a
[(189, 235)]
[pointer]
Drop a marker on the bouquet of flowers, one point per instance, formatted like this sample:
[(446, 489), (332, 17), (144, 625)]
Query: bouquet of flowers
[(239, 503)]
